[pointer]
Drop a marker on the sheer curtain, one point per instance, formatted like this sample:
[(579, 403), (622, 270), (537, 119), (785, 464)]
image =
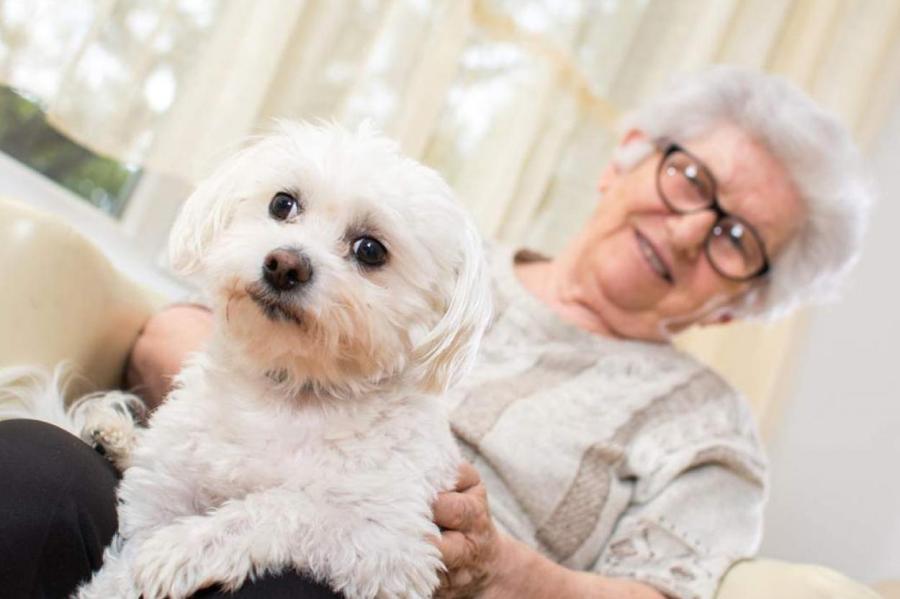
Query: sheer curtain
[(514, 101)]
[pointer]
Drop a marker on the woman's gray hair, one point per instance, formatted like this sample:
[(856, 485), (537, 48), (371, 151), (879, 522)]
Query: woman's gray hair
[(812, 146)]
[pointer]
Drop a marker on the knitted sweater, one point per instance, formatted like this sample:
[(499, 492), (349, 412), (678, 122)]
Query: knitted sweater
[(626, 458)]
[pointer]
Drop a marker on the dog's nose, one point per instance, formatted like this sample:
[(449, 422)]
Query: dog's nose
[(286, 269)]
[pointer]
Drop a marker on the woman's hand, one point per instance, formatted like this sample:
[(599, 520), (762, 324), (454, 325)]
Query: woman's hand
[(163, 344), (470, 545), (484, 564)]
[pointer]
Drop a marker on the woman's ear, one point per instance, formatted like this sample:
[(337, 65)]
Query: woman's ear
[(607, 177), (632, 135), (722, 316), (725, 307), (740, 305), (634, 146)]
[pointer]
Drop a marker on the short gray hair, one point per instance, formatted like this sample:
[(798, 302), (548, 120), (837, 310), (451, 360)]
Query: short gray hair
[(812, 146)]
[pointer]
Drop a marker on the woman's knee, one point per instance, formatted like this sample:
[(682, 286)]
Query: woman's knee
[(58, 502), (53, 464)]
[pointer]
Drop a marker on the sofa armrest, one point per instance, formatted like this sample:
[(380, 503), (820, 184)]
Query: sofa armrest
[(771, 579), (888, 589), (63, 300)]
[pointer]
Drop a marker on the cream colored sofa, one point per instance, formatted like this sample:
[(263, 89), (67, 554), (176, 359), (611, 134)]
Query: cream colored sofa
[(63, 300)]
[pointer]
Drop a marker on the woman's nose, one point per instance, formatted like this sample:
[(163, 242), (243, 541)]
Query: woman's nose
[(687, 232)]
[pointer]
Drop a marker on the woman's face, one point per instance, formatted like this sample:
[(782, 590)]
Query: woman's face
[(645, 266)]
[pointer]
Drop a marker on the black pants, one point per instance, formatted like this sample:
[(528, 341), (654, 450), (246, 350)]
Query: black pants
[(58, 512)]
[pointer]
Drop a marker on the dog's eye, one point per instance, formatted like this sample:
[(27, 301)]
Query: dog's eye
[(284, 206), (369, 251)]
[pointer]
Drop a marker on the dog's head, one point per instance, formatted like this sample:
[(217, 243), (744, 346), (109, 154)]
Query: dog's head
[(331, 258)]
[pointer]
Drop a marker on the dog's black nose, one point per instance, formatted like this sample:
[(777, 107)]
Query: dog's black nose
[(286, 269)]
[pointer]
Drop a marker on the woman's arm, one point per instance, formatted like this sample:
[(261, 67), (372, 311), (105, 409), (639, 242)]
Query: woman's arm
[(161, 348), (527, 573), (483, 563)]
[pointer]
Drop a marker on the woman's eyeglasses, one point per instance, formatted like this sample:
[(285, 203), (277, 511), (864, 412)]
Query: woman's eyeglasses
[(734, 248)]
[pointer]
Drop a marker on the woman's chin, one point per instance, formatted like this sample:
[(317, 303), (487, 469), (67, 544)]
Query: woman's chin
[(633, 290)]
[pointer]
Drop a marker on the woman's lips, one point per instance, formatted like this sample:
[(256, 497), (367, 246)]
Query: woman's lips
[(651, 255)]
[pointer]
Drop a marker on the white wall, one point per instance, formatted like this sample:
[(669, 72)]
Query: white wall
[(835, 496)]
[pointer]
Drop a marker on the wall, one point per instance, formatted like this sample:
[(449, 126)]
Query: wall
[(835, 455)]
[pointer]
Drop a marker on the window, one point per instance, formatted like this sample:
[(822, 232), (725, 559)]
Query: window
[(26, 135)]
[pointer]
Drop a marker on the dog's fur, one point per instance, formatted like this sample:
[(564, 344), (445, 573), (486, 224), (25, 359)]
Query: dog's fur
[(310, 434), (107, 421)]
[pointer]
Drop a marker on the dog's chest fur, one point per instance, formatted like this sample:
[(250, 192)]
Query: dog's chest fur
[(231, 440)]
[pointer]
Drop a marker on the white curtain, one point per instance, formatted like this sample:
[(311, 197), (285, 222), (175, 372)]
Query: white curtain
[(514, 101)]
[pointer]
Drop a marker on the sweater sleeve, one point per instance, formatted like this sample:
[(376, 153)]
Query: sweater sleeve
[(697, 506), (684, 539)]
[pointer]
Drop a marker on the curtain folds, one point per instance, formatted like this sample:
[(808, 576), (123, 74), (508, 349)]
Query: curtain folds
[(513, 101)]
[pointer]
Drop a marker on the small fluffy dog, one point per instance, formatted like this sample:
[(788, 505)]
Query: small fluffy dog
[(349, 291)]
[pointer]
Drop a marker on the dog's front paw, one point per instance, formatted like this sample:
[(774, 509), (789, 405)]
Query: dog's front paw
[(181, 559), (159, 572), (169, 564), (115, 443), (396, 573), (109, 424)]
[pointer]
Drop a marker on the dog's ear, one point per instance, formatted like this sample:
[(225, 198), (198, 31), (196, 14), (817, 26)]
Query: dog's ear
[(205, 213), (449, 349)]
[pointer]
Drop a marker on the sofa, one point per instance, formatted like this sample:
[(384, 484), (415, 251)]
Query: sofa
[(62, 300)]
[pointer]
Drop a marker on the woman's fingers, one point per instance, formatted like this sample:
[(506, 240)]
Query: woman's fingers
[(455, 549), (456, 511), (467, 477)]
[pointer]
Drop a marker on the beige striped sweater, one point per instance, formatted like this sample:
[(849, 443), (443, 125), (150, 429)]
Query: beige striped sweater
[(626, 458)]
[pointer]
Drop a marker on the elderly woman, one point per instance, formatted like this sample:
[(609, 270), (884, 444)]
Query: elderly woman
[(617, 466)]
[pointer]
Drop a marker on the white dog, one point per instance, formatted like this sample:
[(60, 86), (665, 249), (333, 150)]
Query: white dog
[(349, 291)]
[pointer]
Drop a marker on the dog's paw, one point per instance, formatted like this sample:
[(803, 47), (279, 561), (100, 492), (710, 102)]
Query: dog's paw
[(181, 559), (109, 424), (159, 573), (170, 565), (409, 573), (111, 441)]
